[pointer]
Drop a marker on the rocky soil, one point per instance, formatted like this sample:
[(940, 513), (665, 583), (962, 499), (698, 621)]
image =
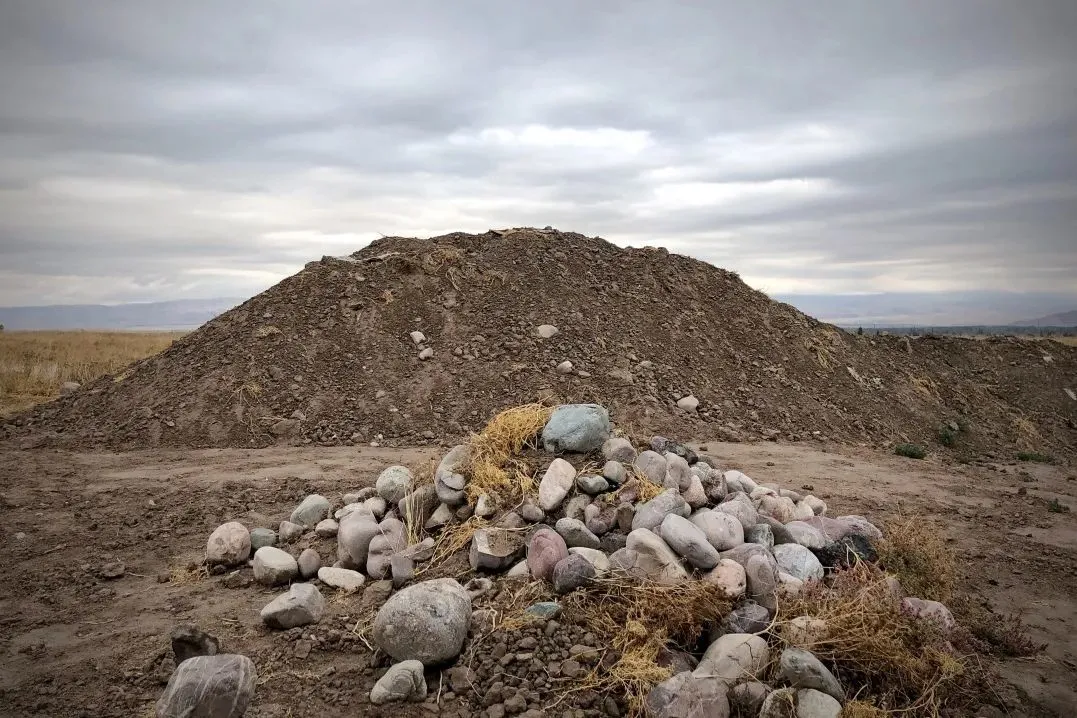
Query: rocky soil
[(98, 538), (408, 342)]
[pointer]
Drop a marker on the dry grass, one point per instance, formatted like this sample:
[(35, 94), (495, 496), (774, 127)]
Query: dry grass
[(33, 365), (902, 664), (636, 619), (494, 467), (917, 553), (1069, 341)]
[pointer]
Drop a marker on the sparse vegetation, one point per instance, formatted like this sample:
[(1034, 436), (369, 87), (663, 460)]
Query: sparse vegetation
[(1035, 457), (34, 365), (918, 554), (495, 468), (911, 451), (1057, 507), (947, 436)]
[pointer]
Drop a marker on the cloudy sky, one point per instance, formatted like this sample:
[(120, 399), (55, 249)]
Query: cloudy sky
[(157, 150)]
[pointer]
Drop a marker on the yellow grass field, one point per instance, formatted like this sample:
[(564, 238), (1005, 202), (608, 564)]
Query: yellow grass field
[(33, 365), (1072, 341)]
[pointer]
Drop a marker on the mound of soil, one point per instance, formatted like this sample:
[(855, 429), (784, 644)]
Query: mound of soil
[(326, 356)]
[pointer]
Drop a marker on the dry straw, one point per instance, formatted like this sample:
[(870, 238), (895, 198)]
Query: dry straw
[(494, 467)]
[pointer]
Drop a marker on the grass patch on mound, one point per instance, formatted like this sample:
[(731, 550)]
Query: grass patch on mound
[(1035, 457), (910, 451), (902, 664), (494, 468), (917, 553)]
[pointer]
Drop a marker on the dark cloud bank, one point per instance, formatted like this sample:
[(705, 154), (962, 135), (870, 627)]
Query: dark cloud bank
[(927, 151)]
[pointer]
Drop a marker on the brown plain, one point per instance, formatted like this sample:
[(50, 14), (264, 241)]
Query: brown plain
[(33, 365)]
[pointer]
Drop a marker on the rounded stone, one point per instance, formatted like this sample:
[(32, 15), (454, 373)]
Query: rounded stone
[(229, 544), (426, 622)]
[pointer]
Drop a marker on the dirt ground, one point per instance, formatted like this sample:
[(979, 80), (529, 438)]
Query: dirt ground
[(74, 643)]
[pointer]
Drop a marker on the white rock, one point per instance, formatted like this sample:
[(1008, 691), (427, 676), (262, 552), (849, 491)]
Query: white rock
[(403, 681), (494, 549), (390, 539), (393, 483), (789, 585), (655, 557), (556, 484), (678, 473), (547, 331), (425, 354), (798, 562), (326, 528), (426, 621), (818, 506), (229, 544), (723, 530), (417, 337), (219, 685), (652, 465), (311, 510), (619, 450), (596, 558), (740, 507), (688, 403), (734, 657), (695, 495), (778, 508), (485, 507), (273, 567), (354, 534), (816, 704), (302, 605), (806, 535), (564, 367), (651, 514), (343, 578), (737, 481), (689, 541), (803, 511), (729, 575)]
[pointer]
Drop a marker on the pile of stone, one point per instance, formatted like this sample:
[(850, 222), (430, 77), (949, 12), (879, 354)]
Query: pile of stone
[(664, 515)]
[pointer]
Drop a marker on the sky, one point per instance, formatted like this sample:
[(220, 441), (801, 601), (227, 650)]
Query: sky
[(154, 151)]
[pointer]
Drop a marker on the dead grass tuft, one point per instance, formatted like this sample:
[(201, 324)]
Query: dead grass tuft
[(903, 664), (184, 575), (645, 488), (493, 467), (451, 540), (636, 619), (990, 632), (862, 709), (916, 551)]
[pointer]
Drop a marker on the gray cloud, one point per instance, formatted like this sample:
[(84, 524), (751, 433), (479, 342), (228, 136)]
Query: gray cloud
[(197, 149)]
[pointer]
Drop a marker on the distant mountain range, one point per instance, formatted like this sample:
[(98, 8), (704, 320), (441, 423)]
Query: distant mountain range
[(174, 315), (1061, 319), (993, 310)]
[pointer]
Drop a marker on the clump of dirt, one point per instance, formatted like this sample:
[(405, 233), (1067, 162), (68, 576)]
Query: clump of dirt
[(327, 357)]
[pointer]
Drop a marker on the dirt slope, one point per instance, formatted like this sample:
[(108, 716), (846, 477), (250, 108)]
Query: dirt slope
[(325, 356)]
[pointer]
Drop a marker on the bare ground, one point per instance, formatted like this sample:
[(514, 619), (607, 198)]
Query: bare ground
[(76, 644)]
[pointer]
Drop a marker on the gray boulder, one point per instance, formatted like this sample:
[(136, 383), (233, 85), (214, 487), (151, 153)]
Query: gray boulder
[(618, 450), (393, 483), (741, 507), (798, 562), (655, 558), (723, 531), (651, 514), (734, 657), (390, 539), (806, 535), (343, 579), (749, 617), (572, 572), (419, 504), (218, 686), (555, 484), (354, 534), (189, 641), (761, 576), (229, 544), (578, 428), (426, 622), (273, 567), (309, 562), (495, 549), (301, 606), (289, 531), (575, 533), (326, 528), (263, 537), (678, 473), (816, 704), (403, 681), (760, 534), (652, 465), (688, 695), (614, 472), (448, 481), (801, 669), (689, 541), (593, 485), (311, 510)]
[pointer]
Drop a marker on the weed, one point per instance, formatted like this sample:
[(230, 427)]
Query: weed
[(917, 553), (991, 632), (911, 451), (947, 436), (494, 467), (1057, 507), (1035, 457)]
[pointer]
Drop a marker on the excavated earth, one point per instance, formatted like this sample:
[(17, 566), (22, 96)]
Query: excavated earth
[(325, 357)]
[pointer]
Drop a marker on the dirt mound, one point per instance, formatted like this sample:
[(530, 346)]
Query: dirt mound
[(326, 356)]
